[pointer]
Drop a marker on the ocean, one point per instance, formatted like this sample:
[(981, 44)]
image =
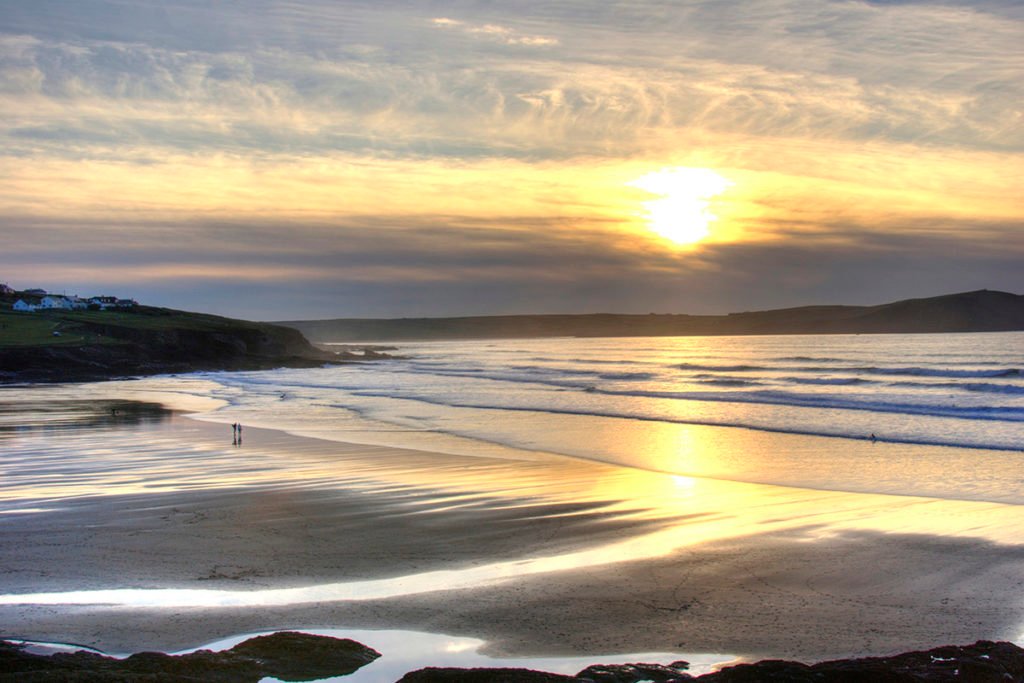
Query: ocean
[(938, 415)]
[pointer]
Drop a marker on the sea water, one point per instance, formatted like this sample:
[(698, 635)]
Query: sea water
[(928, 414)]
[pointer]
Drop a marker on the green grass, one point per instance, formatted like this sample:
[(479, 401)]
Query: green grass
[(148, 318), (36, 329)]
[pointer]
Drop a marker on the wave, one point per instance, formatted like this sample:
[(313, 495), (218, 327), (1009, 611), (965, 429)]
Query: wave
[(940, 372), (727, 382), (830, 401), (763, 397), (828, 381), (975, 387), (724, 368), (882, 403), (539, 370), (915, 371), (628, 375), (779, 429)]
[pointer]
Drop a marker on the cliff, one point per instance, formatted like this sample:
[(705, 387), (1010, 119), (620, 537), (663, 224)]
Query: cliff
[(58, 346)]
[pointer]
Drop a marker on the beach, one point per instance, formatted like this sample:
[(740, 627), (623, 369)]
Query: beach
[(129, 526)]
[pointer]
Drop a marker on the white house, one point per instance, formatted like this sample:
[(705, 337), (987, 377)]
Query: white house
[(20, 305), (55, 302), (104, 302)]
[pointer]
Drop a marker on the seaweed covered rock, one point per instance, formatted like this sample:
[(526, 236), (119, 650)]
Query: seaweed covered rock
[(983, 662), (633, 673), (452, 675), (286, 655)]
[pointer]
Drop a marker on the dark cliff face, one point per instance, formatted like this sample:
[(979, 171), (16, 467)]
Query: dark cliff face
[(160, 342), (229, 341)]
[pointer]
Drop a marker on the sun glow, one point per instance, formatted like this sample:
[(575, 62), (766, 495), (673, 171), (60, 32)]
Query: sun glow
[(682, 212)]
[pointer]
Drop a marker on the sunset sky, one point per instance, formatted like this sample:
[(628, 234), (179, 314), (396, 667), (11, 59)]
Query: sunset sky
[(285, 159)]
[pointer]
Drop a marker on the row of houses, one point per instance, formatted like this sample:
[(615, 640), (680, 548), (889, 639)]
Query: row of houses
[(71, 303)]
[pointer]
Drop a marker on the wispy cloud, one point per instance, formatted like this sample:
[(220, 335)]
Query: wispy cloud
[(496, 32)]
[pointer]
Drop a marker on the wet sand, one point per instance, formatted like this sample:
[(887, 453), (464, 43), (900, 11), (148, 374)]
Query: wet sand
[(540, 556)]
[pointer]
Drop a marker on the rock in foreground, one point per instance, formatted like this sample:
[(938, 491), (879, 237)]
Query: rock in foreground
[(983, 662), (286, 655), (451, 675)]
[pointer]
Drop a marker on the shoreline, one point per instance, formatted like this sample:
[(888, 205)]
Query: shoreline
[(753, 570)]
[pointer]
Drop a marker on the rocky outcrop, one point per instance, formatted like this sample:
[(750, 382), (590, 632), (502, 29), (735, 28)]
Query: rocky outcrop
[(451, 675), (302, 657), (287, 656), (983, 662), (629, 673)]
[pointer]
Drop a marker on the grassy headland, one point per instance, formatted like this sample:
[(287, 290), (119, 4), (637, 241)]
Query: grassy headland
[(57, 345)]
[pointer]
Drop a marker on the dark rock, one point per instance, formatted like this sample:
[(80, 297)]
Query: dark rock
[(288, 656), (983, 662), (631, 673), (439, 675), (768, 670), (299, 657)]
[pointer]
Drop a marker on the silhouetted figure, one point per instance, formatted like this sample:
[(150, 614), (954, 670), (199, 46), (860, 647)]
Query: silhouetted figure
[(873, 437), (239, 433)]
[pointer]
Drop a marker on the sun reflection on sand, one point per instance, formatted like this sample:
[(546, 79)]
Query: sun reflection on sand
[(693, 511)]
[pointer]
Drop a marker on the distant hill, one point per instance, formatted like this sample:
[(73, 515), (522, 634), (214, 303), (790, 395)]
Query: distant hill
[(980, 311)]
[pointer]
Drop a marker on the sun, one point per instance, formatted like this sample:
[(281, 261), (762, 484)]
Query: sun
[(682, 211)]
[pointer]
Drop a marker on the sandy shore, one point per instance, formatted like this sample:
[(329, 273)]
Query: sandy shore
[(541, 556)]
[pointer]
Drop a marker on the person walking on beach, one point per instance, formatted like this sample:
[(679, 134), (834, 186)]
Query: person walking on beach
[(238, 425)]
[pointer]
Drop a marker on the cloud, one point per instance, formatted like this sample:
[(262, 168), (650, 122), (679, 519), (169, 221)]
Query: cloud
[(495, 32), (433, 265), (378, 147), (773, 72)]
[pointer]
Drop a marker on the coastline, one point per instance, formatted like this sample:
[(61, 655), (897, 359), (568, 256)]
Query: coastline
[(644, 561)]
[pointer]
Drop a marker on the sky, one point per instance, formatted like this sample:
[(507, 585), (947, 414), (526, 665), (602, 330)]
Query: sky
[(286, 159)]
